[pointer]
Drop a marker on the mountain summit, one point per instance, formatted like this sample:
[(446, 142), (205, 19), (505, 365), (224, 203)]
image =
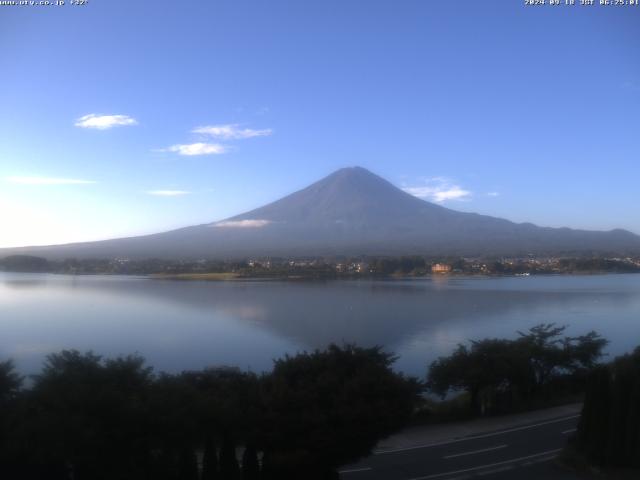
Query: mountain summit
[(351, 212), (352, 197)]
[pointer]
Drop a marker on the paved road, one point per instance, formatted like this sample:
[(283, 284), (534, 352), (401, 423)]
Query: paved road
[(521, 452)]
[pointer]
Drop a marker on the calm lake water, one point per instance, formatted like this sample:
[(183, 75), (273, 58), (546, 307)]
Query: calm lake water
[(180, 325)]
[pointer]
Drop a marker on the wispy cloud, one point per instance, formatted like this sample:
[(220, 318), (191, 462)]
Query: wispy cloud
[(200, 148), (104, 122), (493, 194), (168, 193), (231, 131), (438, 189), (242, 224), (48, 181)]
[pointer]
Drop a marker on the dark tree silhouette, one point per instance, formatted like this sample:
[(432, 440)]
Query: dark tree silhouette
[(25, 263), (609, 429), (229, 468), (10, 387), (250, 464), (328, 408), (88, 418), (10, 382), (88, 415), (514, 371), (210, 460), (188, 464)]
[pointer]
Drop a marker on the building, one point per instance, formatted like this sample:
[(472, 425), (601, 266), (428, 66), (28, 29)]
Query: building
[(440, 268)]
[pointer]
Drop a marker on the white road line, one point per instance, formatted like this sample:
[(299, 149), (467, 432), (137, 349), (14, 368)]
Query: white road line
[(355, 470), (490, 465), (475, 437), (571, 430), (496, 470), (475, 451)]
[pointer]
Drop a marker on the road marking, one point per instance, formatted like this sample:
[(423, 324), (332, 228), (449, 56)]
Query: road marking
[(496, 470), (490, 465), (475, 451), (475, 437), (355, 470), (571, 430)]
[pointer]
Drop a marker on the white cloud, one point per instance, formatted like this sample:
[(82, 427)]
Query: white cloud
[(47, 181), (168, 193), (493, 194), (232, 131), (242, 224), (104, 122), (191, 149), (438, 189)]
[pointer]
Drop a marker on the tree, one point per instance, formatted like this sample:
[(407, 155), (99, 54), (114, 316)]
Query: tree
[(490, 367), (328, 408), (25, 263), (90, 415), (225, 400), (250, 464), (594, 420), (96, 419), (10, 382), (609, 429), (503, 372), (188, 464), (542, 346), (10, 389), (229, 468), (583, 352), (210, 460)]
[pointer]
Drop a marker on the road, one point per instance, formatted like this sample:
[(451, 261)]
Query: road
[(522, 452)]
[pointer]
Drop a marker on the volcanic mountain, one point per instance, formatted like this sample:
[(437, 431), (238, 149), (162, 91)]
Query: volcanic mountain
[(350, 212)]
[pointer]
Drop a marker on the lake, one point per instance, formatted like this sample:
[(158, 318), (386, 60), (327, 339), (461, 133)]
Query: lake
[(181, 325)]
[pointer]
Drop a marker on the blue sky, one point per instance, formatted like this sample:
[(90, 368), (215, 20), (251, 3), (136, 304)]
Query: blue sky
[(216, 107)]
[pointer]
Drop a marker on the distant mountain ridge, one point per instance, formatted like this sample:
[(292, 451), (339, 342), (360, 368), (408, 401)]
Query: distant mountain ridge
[(350, 212)]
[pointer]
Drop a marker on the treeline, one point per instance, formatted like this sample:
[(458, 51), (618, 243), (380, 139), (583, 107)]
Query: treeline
[(25, 263), (332, 267), (500, 375), (85, 417), (597, 265), (28, 263), (609, 429)]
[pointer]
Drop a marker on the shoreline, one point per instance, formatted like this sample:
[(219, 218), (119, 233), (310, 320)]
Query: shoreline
[(235, 276)]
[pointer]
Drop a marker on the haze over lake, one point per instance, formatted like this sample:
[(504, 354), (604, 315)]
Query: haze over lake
[(181, 325)]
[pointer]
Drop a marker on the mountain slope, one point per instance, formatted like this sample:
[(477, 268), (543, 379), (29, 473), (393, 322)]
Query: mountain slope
[(351, 212)]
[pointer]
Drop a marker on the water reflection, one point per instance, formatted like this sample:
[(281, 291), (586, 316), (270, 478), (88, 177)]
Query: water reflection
[(181, 325), (20, 283)]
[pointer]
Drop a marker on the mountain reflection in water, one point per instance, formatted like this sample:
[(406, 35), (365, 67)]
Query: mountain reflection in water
[(179, 325)]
